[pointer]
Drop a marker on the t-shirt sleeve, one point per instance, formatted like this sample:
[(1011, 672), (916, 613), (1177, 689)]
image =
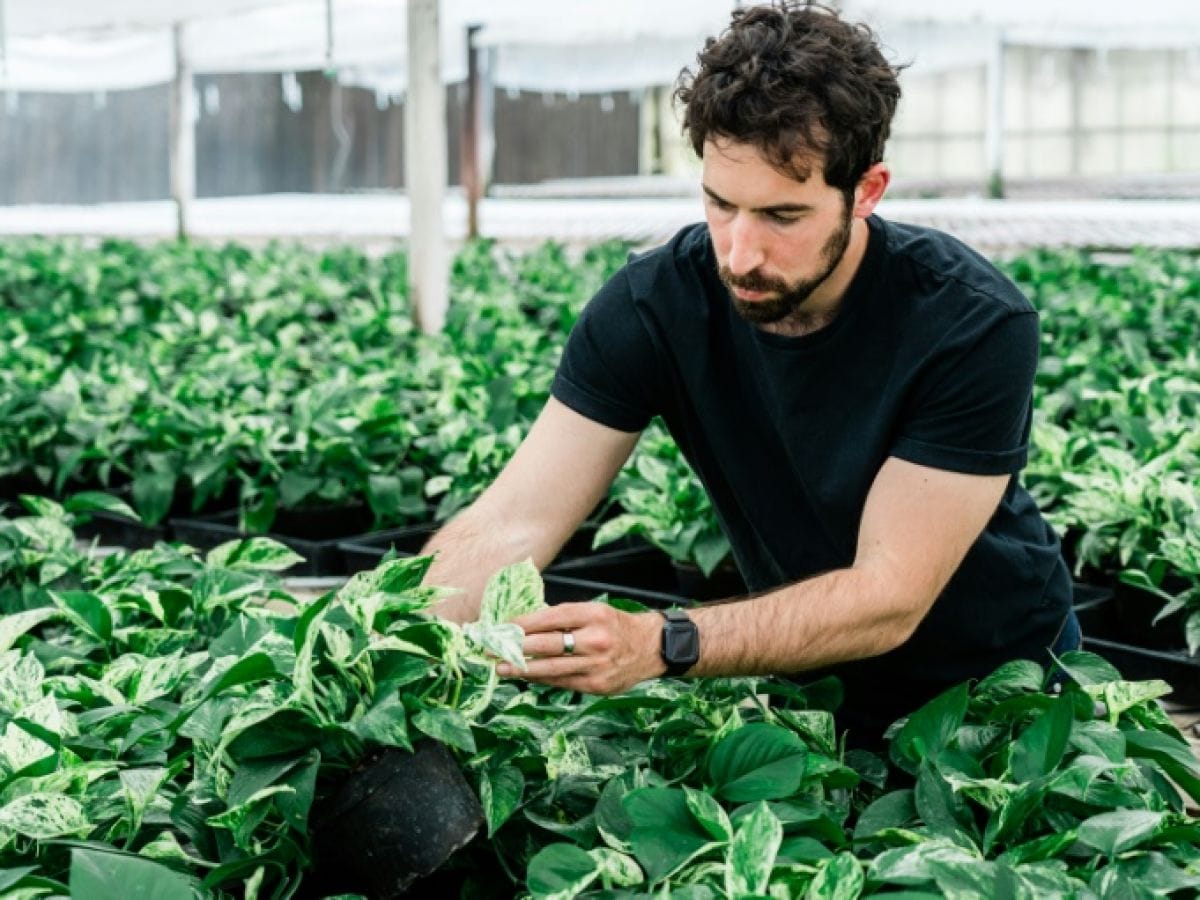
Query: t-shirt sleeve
[(971, 410), (610, 368)]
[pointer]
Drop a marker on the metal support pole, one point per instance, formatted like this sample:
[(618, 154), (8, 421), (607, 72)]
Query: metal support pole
[(183, 136), (468, 163), (994, 137), (425, 168)]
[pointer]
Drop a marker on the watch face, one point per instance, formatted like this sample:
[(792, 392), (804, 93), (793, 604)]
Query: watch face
[(681, 644)]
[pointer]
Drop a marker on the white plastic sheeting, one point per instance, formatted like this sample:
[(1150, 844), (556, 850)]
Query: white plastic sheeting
[(561, 45)]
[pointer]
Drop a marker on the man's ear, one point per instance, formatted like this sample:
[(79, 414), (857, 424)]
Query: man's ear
[(870, 189)]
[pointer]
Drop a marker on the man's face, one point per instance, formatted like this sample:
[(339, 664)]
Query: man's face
[(777, 239)]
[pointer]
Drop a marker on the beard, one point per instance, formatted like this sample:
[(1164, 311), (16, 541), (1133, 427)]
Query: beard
[(788, 297)]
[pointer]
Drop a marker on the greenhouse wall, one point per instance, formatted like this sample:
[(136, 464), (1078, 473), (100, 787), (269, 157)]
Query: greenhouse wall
[(1068, 112), (112, 146)]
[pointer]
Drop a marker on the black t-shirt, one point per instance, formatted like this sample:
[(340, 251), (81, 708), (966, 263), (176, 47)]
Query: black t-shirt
[(931, 358)]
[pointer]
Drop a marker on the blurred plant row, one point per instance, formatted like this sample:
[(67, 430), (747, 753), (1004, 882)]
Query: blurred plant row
[(194, 376)]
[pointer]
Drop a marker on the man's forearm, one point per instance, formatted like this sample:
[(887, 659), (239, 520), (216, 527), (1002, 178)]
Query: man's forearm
[(841, 615), (470, 549)]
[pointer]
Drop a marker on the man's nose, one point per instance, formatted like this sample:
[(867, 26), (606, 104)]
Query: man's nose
[(745, 246)]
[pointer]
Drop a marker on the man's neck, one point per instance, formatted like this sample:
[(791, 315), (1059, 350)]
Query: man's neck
[(823, 305)]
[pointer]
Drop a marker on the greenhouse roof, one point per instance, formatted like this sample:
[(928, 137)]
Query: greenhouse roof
[(560, 45)]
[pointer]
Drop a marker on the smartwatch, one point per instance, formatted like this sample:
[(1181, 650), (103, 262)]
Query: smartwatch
[(680, 641)]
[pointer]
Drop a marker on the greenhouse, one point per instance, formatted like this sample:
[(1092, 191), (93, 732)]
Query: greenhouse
[(682, 449)]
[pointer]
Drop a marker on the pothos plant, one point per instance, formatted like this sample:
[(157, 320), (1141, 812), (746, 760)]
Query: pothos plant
[(1003, 789), (168, 719), (663, 501)]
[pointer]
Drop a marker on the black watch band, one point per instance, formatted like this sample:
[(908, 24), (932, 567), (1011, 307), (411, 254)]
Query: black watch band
[(680, 641)]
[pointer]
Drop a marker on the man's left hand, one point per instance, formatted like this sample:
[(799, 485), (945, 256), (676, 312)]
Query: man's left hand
[(610, 650)]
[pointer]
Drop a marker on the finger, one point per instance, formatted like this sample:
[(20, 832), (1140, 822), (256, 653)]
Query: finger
[(550, 667), (563, 617), (553, 643)]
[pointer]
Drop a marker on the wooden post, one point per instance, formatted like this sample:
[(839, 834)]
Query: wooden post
[(425, 168), (468, 164), (183, 137), (994, 136)]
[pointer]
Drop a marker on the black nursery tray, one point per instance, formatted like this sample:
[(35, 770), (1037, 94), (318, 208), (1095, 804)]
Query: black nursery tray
[(365, 551), (315, 535), (1105, 633), (635, 565), (565, 589), (113, 530)]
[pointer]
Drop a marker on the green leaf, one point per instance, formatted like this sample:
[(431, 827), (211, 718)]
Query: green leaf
[(512, 592), (504, 640), (910, 866), (386, 723), (1011, 679), (759, 761), (665, 835), (500, 792), (894, 810), (86, 611), (938, 806), (43, 816), (1040, 747), (296, 803), (751, 854), (96, 875), (1114, 832), (13, 625), (308, 629), (1192, 632), (560, 871), (1013, 814), (247, 670), (446, 725), (295, 487), (931, 728), (1172, 754), (153, 493), (1120, 696), (95, 501), (1087, 669), (840, 878), (709, 814), (253, 555), (617, 868)]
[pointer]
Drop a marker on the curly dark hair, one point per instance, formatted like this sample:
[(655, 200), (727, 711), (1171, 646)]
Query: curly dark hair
[(794, 80)]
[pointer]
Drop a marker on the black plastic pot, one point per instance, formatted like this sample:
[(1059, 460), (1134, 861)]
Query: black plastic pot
[(1175, 667), (113, 530), (13, 486), (314, 534), (565, 589), (365, 551), (393, 821), (1133, 614), (724, 582), (640, 567), (1104, 633)]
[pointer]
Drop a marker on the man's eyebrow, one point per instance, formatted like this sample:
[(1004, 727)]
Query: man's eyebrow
[(775, 208)]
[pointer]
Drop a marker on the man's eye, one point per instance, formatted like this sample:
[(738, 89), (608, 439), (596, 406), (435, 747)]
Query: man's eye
[(783, 218)]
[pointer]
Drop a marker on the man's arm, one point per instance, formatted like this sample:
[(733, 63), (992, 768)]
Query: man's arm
[(917, 526), (560, 472)]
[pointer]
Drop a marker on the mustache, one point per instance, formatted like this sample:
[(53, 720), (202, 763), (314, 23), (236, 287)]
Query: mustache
[(753, 281)]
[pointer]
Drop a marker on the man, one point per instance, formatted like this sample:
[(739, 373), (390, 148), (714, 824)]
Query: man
[(854, 394)]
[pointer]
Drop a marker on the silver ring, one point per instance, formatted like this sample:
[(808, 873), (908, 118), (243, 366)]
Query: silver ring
[(568, 643)]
